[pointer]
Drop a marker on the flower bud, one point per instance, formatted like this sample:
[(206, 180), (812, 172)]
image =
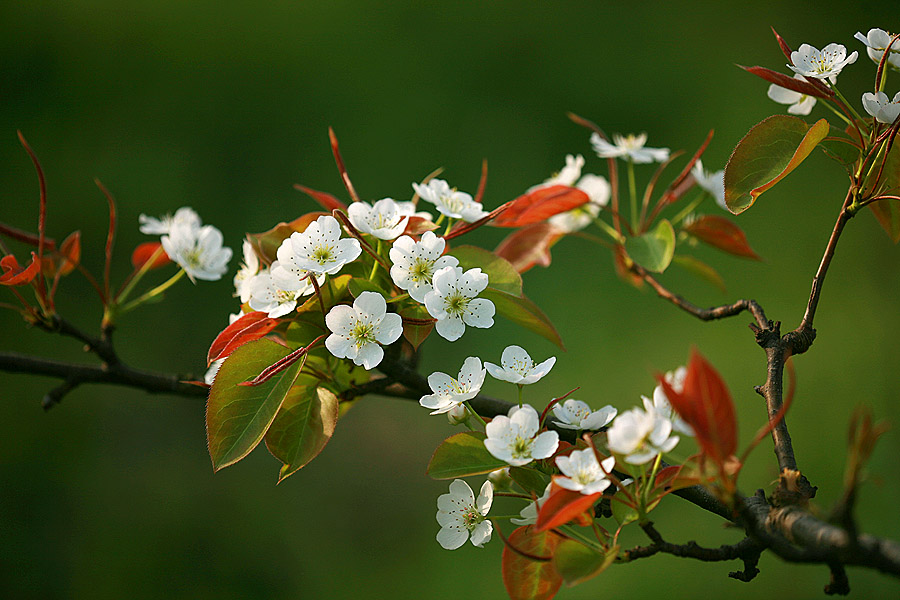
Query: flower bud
[(501, 479), (458, 415)]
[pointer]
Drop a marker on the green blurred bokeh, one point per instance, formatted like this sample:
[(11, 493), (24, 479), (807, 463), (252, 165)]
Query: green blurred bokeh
[(222, 107)]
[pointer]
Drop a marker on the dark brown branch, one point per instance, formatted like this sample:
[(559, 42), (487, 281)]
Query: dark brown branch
[(704, 314), (76, 374), (102, 347), (747, 550)]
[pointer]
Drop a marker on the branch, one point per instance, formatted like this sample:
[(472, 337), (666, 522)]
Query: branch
[(102, 347), (75, 374)]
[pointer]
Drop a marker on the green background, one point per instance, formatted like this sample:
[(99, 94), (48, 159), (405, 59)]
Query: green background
[(222, 107)]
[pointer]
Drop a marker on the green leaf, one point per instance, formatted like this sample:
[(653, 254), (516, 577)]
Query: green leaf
[(529, 479), (501, 274), (700, 269), (237, 417), (357, 286), (303, 426), (839, 147), (524, 312), (576, 563), (623, 513), (653, 250), (527, 579), (417, 324), (770, 150), (462, 455)]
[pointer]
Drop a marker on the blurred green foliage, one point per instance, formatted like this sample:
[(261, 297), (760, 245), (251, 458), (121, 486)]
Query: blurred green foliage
[(222, 106)]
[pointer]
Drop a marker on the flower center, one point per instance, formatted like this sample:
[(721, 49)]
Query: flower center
[(521, 447), (322, 254), (457, 303), (421, 270), (471, 518), (192, 257), (363, 333)]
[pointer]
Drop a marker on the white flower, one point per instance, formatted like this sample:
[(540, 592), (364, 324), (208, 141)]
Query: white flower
[(210, 375), (453, 302), (319, 249), (598, 190), (450, 202), (458, 414), (287, 273), (358, 330), (461, 515), (409, 209), (876, 42), (662, 405), (568, 175), (640, 436), (249, 268), (198, 251), (800, 104), (879, 106), (575, 414), (825, 64), (517, 367), (183, 216), (529, 514), (416, 262), (514, 438), (630, 146), (583, 473), (267, 296), (449, 393), (712, 183), (385, 220)]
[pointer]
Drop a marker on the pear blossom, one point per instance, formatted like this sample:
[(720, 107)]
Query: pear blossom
[(320, 248), (460, 515), (183, 216), (384, 219), (517, 367), (529, 514), (415, 263), (881, 107), (501, 479), (409, 209), (639, 436), (267, 296), (568, 175), (800, 104), (712, 183), (662, 406), (249, 268), (598, 190), (287, 273), (450, 202), (514, 438), (575, 414), (198, 251), (453, 302), (876, 41), (357, 331), (821, 64), (448, 393), (630, 146), (457, 415), (583, 473)]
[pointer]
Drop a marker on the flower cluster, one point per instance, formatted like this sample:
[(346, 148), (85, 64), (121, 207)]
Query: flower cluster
[(195, 247)]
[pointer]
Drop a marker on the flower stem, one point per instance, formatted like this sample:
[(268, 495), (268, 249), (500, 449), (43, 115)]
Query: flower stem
[(152, 293), (609, 230), (472, 411), (632, 192), (688, 209), (838, 93), (521, 388), (375, 266), (837, 112)]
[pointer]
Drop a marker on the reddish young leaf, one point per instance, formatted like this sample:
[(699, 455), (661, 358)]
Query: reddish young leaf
[(144, 252), (71, 253), (784, 47), (249, 327), (418, 226), (706, 405), (785, 81), (541, 204), (525, 578), (328, 202), (529, 246), (463, 227), (563, 506), (721, 233), (13, 274), (339, 160)]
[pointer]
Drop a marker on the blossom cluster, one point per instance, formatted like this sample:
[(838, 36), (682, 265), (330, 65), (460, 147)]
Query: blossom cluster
[(195, 247)]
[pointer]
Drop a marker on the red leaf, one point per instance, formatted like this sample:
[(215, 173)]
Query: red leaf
[(529, 246), (804, 87), (541, 204), (784, 47), (722, 234), (418, 226), (250, 327), (527, 579), (146, 251), (563, 506), (71, 253), (328, 202), (282, 364), (13, 274), (706, 405)]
